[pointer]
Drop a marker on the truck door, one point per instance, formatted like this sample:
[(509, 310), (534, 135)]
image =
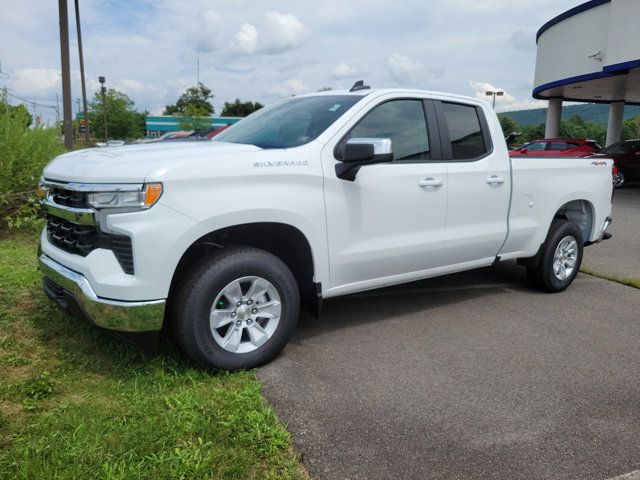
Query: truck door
[(479, 184), (390, 220)]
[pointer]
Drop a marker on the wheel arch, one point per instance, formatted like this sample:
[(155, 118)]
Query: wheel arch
[(284, 241), (582, 213)]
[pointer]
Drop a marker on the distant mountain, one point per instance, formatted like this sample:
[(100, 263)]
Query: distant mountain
[(590, 112)]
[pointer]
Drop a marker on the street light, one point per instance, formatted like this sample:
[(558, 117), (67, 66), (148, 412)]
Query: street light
[(104, 106), (494, 94)]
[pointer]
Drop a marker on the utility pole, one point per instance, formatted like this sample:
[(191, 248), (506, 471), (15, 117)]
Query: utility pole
[(104, 106), (67, 123), (87, 135)]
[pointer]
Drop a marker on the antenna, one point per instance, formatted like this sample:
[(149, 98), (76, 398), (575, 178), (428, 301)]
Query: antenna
[(359, 85)]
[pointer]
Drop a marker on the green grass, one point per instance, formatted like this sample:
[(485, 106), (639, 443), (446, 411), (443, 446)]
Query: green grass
[(629, 281), (76, 403)]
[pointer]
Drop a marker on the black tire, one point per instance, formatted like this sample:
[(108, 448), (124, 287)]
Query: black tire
[(619, 179), (200, 288), (543, 276)]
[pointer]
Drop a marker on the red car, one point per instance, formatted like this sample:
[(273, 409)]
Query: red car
[(626, 157), (561, 147), (213, 133)]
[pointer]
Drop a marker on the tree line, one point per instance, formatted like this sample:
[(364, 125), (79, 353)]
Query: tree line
[(574, 127), (193, 107)]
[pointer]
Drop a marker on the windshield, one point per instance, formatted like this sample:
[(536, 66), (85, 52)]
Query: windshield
[(290, 123), (621, 148)]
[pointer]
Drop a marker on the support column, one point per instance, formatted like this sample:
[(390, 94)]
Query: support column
[(554, 114), (614, 128)]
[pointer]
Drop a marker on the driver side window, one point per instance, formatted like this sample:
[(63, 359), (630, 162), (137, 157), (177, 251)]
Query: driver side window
[(402, 121)]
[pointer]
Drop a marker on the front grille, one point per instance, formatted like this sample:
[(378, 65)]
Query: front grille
[(83, 239), (69, 198), (72, 238)]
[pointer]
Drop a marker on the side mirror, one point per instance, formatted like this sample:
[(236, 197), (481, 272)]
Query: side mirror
[(523, 150), (363, 151)]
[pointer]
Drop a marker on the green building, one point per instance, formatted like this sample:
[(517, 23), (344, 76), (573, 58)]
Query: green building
[(157, 125)]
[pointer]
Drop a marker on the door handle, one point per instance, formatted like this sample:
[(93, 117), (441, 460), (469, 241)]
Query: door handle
[(430, 182), (495, 180)]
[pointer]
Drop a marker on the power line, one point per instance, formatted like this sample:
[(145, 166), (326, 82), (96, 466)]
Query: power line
[(26, 100), (6, 93)]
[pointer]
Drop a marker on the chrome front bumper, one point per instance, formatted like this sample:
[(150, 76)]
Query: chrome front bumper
[(73, 293)]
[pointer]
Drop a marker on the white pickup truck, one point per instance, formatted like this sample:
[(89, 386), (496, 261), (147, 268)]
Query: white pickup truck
[(317, 196)]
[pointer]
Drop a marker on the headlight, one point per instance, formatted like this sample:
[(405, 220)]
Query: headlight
[(144, 198)]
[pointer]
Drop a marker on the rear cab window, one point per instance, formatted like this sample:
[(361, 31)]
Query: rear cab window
[(466, 134)]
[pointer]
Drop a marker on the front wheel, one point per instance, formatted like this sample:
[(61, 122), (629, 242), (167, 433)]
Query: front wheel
[(237, 310), (560, 258)]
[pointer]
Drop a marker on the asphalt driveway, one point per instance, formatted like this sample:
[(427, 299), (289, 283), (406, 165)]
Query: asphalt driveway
[(620, 256), (468, 376)]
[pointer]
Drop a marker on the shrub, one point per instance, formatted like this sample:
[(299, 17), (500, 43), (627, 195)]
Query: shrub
[(23, 154)]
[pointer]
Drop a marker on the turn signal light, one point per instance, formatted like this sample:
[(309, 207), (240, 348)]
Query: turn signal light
[(152, 193)]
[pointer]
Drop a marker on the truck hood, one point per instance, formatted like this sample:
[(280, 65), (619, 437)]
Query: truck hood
[(131, 164)]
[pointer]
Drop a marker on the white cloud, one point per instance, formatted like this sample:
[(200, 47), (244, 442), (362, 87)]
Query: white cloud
[(401, 68), (343, 70), (524, 41), (506, 102), (211, 20), (139, 90), (132, 87), (284, 32), (490, 6), (206, 36), (36, 81), (281, 32), (293, 86), (481, 89), (246, 40)]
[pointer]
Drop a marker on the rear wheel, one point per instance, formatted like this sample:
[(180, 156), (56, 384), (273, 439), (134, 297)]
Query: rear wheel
[(237, 310), (560, 258), (619, 179)]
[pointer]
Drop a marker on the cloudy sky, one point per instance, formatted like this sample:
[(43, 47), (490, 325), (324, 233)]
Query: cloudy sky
[(263, 50)]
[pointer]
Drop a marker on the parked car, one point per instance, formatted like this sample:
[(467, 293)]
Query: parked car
[(207, 134), (564, 147), (215, 132), (110, 143), (171, 136), (314, 197), (626, 156)]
